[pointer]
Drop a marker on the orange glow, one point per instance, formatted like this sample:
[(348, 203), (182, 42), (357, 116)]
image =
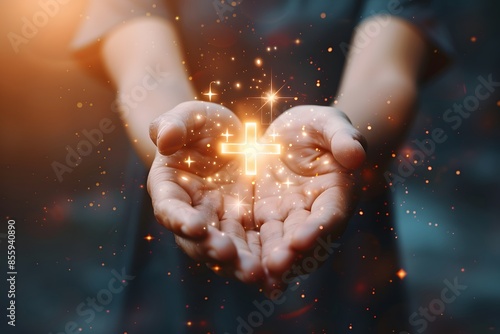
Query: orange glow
[(401, 273)]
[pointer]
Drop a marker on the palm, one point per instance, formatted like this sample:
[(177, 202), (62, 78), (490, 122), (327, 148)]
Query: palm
[(203, 197), (211, 184), (305, 193)]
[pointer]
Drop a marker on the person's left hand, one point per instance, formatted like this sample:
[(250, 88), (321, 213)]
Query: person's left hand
[(308, 192)]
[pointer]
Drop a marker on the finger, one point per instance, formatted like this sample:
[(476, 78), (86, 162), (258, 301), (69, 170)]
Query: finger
[(347, 145), (253, 241), (173, 206), (248, 268), (277, 255), (282, 255), (172, 130), (169, 131), (329, 216), (238, 198), (347, 148), (271, 235), (180, 218), (215, 248)]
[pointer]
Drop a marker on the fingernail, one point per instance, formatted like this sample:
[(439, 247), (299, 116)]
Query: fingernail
[(185, 229), (213, 254), (239, 275)]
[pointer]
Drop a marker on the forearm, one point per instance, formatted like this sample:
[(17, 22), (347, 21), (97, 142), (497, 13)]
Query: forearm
[(381, 107), (143, 59), (379, 88)]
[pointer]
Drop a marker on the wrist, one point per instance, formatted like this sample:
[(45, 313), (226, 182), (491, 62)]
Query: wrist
[(147, 95)]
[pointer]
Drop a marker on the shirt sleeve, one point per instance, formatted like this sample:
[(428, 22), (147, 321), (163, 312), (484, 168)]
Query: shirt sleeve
[(104, 15), (424, 15)]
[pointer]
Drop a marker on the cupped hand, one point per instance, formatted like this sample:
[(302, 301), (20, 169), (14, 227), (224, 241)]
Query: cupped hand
[(309, 191), (202, 197)]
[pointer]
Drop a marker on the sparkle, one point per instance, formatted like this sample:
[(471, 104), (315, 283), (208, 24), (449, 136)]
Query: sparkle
[(401, 273), (239, 204), (271, 97), (274, 135), (227, 135), (210, 93), (288, 183), (149, 238), (250, 148), (189, 161)]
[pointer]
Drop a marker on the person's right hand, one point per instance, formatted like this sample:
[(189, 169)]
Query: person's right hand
[(202, 197)]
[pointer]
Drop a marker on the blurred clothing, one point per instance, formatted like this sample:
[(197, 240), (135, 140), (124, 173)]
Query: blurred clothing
[(302, 46)]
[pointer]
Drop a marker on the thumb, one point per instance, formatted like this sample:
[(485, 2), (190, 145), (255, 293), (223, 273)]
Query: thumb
[(348, 148), (169, 131), (168, 134)]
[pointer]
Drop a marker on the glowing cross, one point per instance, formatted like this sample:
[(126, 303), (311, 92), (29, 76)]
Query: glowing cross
[(250, 148)]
